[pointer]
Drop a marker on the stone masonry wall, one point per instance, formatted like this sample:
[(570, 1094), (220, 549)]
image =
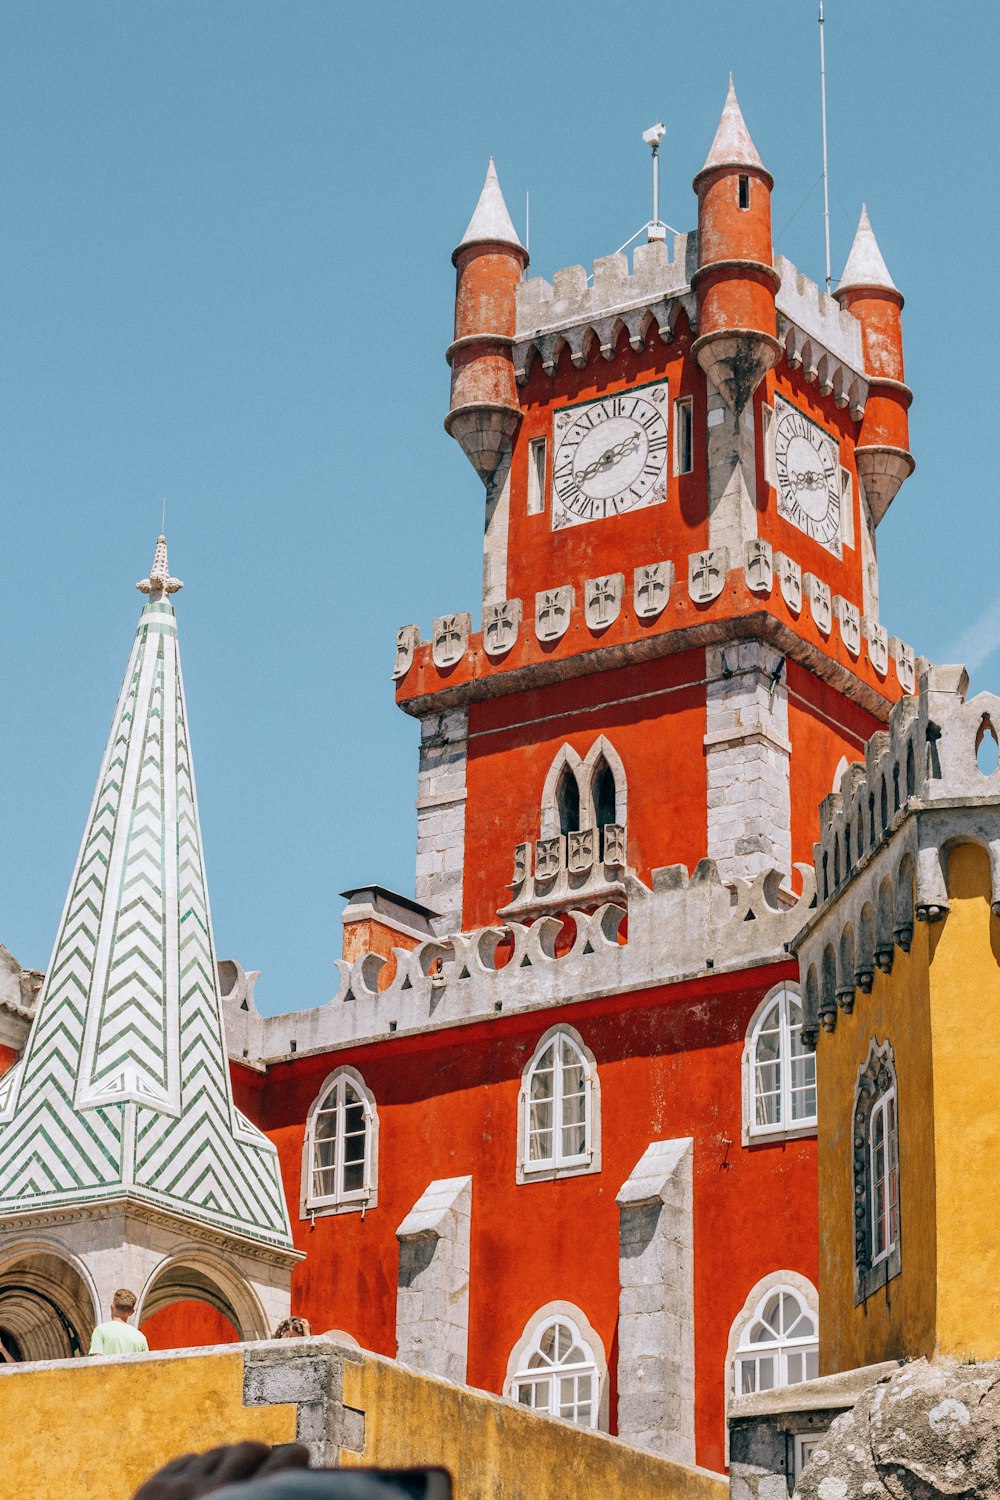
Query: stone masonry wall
[(747, 753), (441, 814)]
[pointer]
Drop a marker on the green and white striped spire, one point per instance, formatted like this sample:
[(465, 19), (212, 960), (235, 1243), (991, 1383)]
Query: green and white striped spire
[(124, 1086)]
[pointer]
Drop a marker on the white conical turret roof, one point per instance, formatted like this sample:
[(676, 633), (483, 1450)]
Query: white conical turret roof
[(733, 146), (490, 220), (124, 1089), (865, 266)]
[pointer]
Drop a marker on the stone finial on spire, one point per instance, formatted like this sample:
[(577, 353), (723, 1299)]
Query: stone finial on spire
[(733, 146), (865, 265), (159, 581), (491, 223)]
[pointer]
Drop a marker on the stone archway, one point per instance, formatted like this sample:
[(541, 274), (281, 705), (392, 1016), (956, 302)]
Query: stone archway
[(195, 1277), (47, 1307)]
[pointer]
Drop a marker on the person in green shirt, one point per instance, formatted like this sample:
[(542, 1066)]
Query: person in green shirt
[(118, 1336)]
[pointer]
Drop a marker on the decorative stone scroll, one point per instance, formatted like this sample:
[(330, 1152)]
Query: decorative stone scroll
[(820, 602), (580, 850), (878, 646), (789, 581), (501, 623), (850, 623), (758, 566), (407, 640), (614, 845), (651, 587), (450, 637), (549, 857), (553, 608), (603, 600), (905, 665), (707, 574)]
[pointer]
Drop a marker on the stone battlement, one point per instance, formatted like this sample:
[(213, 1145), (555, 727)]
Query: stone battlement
[(682, 928), (886, 831), (572, 296)]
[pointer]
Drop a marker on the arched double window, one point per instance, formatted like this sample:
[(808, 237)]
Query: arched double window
[(778, 1344), (779, 1071), (585, 792), (340, 1158), (559, 1112), (558, 1367)]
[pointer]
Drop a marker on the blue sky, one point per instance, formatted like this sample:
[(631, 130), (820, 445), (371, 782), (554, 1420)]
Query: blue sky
[(225, 278)]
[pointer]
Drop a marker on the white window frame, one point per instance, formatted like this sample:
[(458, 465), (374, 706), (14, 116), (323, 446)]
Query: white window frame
[(776, 1349), (683, 404), (884, 1182), (537, 473), (585, 1335), (341, 1200), (784, 1280), (557, 1165), (785, 1129)]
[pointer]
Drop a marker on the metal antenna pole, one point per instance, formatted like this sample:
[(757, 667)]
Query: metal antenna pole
[(656, 184), (652, 137), (826, 187)]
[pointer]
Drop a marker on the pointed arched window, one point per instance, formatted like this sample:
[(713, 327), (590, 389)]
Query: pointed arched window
[(560, 1109), (568, 802), (605, 801), (340, 1157), (779, 1082)]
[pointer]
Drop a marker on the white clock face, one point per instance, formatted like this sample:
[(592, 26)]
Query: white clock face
[(807, 466), (610, 456)]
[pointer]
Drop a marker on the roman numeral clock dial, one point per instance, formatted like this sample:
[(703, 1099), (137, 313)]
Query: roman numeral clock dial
[(807, 470), (610, 457)]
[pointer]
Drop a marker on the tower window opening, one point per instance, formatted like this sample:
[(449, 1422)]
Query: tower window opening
[(536, 476), (604, 801), (568, 803), (744, 190), (683, 435)]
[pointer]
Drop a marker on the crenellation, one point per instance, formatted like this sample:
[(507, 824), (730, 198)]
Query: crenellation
[(573, 297), (885, 835)]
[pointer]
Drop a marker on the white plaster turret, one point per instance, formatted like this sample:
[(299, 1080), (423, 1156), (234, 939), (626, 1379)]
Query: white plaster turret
[(733, 146), (491, 222), (865, 264), (868, 293)]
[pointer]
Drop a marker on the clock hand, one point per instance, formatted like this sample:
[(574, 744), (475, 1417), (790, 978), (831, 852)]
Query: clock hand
[(609, 457)]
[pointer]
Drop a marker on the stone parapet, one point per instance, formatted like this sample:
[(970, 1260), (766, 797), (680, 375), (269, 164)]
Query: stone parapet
[(726, 592), (685, 926)]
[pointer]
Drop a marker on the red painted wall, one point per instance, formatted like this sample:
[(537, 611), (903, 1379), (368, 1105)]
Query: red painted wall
[(670, 1065), (187, 1325), (8, 1057), (654, 716)]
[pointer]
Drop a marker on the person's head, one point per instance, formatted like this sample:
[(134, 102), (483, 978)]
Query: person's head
[(293, 1328), (123, 1304)]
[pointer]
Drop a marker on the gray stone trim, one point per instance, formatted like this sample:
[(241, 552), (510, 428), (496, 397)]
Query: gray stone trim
[(306, 1373), (432, 1296), (656, 1307), (440, 862), (747, 756), (876, 1078)]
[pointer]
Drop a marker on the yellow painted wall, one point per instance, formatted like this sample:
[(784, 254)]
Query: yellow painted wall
[(494, 1448), (965, 1010), (96, 1429), (899, 1319)]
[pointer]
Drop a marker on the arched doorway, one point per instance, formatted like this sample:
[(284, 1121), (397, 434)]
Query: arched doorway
[(46, 1307), (190, 1302)]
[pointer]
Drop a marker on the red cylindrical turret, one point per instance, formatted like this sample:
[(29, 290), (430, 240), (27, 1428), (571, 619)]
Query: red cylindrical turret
[(485, 411), (867, 292), (735, 282)]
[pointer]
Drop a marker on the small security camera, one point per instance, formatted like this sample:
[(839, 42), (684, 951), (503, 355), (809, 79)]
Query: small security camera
[(654, 135)]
